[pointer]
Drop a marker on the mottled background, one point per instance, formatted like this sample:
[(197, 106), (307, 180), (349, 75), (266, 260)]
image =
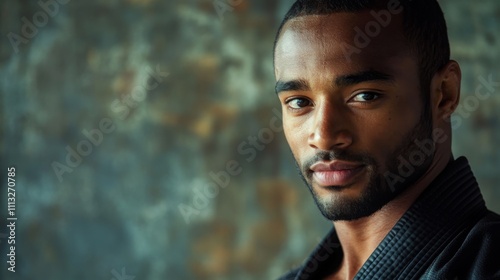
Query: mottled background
[(117, 211)]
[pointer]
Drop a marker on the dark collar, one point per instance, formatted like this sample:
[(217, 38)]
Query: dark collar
[(451, 203)]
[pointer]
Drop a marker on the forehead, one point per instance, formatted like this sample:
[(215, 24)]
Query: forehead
[(349, 41)]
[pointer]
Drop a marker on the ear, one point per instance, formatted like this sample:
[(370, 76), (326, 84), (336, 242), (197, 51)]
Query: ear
[(445, 90)]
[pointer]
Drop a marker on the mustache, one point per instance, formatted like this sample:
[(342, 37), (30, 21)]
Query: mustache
[(336, 155)]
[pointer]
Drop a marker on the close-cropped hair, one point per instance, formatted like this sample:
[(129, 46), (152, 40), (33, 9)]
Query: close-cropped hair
[(424, 27)]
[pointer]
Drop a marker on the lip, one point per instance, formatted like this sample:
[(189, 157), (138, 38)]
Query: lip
[(335, 173)]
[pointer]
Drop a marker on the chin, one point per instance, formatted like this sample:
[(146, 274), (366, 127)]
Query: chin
[(335, 208), (338, 205)]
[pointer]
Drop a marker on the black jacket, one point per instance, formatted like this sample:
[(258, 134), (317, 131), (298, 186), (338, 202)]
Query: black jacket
[(446, 234)]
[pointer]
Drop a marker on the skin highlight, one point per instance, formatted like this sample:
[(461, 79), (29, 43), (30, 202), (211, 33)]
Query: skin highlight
[(363, 112)]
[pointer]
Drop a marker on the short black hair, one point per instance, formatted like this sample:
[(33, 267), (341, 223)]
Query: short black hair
[(424, 27)]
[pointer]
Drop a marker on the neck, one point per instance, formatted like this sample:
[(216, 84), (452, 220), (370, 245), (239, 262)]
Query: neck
[(359, 238)]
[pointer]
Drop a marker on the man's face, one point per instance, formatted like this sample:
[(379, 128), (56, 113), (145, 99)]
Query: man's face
[(350, 119)]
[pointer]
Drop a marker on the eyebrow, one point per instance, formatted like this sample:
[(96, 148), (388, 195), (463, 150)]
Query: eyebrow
[(295, 85), (342, 81), (365, 76)]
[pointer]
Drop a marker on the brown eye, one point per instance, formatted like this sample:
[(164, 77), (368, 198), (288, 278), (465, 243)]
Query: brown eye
[(366, 96), (298, 103)]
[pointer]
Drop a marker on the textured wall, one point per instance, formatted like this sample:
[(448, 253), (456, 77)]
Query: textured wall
[(121, 117)]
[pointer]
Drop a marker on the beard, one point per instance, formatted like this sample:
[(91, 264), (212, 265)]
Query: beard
[(384, 184)]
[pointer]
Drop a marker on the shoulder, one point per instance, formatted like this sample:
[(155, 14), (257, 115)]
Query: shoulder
[(491, 221), (485, 235), (474, 252)]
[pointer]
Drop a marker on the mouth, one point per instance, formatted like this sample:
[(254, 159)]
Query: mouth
[(336, 173)]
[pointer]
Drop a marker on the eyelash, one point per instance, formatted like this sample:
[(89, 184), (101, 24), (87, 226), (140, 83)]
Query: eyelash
[(375, 95), (288, 101)]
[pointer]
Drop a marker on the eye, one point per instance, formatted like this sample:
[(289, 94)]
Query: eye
[(298, 103), (366, 96)]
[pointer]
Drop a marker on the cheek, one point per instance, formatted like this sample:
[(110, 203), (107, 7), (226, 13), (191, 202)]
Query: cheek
[(380, 139), (289, 134), (296, 137), (387, 133)]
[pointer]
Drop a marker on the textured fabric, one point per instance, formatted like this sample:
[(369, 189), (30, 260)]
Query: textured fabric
[(446, 234)]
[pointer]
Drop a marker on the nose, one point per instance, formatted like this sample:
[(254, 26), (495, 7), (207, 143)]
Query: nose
[(330, 129)]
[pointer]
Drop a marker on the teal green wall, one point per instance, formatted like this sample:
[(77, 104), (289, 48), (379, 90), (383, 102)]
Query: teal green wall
[(177, 91)]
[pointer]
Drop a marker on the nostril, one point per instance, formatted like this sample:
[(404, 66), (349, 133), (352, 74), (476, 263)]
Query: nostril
[(332, 140)]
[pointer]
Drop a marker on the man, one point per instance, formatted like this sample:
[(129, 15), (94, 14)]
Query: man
[(367, 90)]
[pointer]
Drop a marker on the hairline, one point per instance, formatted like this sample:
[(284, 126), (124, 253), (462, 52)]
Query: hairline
[(286, 21), (411, 48)]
